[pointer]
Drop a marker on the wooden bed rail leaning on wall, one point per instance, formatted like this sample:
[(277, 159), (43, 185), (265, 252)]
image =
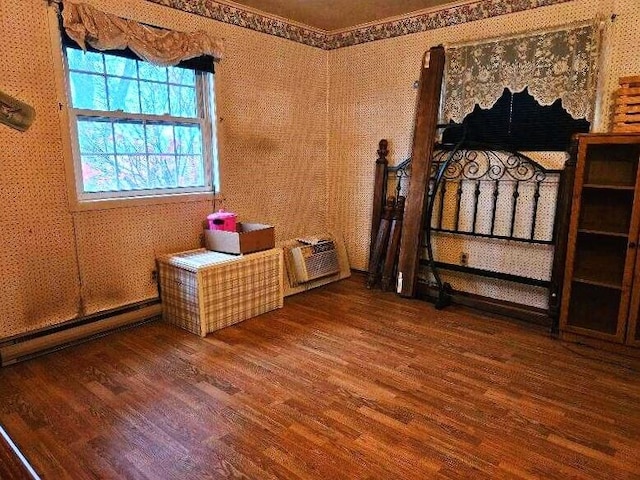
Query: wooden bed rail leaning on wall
[(424, 136), (386, 223), (379, 191)]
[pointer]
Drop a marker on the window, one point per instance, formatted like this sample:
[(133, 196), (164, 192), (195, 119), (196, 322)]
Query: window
[(139, 129)]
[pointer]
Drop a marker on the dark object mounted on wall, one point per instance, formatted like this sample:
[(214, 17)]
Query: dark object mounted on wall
[(517, 122), (14, 113)]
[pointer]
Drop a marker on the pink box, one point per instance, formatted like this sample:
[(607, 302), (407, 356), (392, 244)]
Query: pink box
[(222, 220)]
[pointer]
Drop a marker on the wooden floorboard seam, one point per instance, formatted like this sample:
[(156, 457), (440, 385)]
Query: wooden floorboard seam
[(342, 383)]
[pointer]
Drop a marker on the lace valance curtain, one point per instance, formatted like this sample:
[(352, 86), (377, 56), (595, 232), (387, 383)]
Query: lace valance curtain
[(556, 64), (102, 31)]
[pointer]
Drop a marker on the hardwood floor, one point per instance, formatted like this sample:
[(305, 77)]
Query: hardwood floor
[(343, 383), (13, 465)]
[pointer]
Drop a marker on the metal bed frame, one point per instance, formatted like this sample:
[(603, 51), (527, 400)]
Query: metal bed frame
[(507, 174)]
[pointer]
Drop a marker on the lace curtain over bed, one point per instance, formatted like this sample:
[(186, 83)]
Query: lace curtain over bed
[(103, 31), (560, 64)]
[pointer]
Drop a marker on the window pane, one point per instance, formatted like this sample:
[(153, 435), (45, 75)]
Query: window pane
[(140, 147), (85, 61), (183, 76), (123, 95), (95, 137), (133, 173), (188, 139), (129, 137), (88, 91), (160, 139), (190, 171), (99, 173), (120, 66), (183, 101), (148, 71), (154, 98), (162, 171)]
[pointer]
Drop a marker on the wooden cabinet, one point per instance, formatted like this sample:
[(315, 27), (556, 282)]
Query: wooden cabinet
[(601, 293)]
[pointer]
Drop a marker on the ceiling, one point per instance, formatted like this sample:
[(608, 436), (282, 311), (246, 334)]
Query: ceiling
[(333, 15)]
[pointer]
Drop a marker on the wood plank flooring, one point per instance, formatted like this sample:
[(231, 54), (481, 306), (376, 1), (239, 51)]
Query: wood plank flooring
[(13, 465), (343, 383)]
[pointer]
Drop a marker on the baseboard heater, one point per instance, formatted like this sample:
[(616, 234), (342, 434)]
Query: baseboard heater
[(31, 345)]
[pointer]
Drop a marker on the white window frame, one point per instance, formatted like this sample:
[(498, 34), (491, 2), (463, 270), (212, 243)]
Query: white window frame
[(80, 200)]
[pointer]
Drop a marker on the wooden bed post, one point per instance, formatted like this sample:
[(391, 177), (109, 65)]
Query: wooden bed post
[(561, 232), (390, 262), (379, 192), (424, 137), (376, 259)]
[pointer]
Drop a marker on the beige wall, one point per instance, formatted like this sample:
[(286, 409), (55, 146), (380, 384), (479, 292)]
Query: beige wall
[(298, 132), (58, 264), (372, 97)]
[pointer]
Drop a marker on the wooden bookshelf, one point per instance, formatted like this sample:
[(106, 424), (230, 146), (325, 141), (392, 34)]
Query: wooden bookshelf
[(601, 294)]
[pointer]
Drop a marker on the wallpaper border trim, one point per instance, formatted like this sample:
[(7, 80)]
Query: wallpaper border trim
[(249, 19), (421, 22)]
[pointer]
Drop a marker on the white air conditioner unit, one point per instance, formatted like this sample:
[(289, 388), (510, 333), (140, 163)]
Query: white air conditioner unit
[(314, 259), (303, 263)]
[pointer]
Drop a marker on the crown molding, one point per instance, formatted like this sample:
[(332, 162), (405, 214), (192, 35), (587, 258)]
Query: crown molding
[(415, 22), (240, 16)]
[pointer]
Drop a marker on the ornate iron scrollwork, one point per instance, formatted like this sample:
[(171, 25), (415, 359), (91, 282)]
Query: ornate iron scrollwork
[(488, 165), (454, 164), (401, 172)]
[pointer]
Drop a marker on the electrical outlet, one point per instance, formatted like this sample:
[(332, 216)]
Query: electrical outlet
[(464, 259), (154, 276)]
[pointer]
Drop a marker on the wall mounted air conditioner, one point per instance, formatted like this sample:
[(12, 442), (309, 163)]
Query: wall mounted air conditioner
[(314, 259)]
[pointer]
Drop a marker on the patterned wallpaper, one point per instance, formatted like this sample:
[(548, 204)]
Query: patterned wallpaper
[(371, 97), (298, 130), (59, 264), (429, 20)]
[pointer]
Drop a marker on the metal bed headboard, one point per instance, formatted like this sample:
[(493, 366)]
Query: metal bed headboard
[(491, 192)]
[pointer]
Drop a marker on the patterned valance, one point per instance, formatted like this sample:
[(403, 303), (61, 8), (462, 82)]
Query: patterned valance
[(560, 64), (103, 31)]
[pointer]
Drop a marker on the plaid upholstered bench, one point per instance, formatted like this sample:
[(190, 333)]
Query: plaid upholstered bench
[(203, 291)]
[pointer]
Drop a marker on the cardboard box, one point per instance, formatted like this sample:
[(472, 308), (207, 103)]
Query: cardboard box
[(250, 237)]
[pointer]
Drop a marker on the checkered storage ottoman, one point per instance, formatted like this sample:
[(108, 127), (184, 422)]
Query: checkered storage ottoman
[(203, 291)]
